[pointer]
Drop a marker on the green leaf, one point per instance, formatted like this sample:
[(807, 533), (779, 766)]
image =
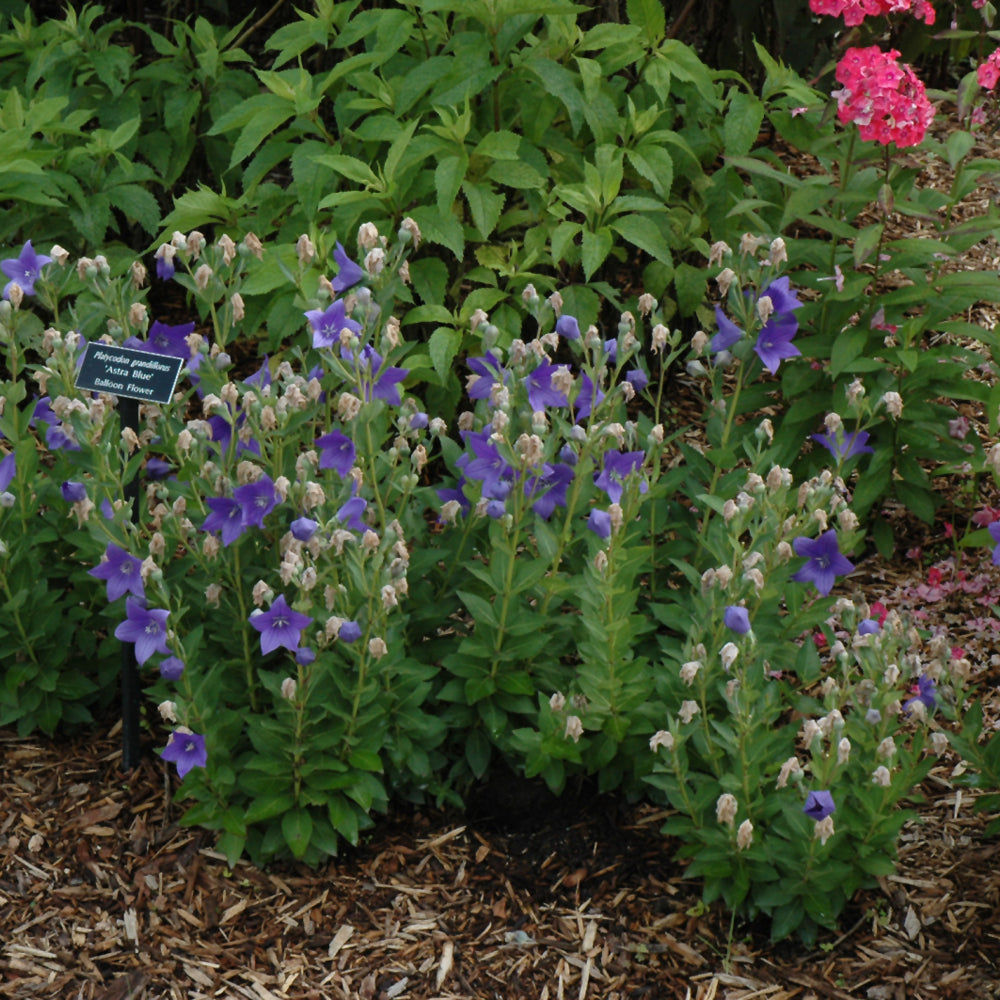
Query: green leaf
[(443, 345), (479, 608), (643, 232), (689, 283), (742, 124), (138, 205), (296, 828), (650, 16), (448, 177), (351, 168), (595, 250), (486, 206)]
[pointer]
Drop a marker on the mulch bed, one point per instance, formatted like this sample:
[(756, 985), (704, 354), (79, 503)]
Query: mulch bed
[(104, 897)]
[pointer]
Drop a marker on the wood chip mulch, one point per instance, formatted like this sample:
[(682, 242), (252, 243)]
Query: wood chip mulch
[(104, 897)]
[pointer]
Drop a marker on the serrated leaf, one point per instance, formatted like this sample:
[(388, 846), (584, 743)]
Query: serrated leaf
[(648, 15), (742, 124), (595, 249), (443, 345), (642, 232)]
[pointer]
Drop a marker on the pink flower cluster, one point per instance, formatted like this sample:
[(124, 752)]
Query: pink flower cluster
[(882, 97), (855, 11), (988, 73)]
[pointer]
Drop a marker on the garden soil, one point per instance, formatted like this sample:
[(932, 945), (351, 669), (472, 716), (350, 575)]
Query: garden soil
[(103, 896)]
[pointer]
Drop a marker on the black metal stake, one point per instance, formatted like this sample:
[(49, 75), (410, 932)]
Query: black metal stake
[(129, 411)]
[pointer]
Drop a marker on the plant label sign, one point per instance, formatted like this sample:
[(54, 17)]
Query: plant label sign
[(123, 371)]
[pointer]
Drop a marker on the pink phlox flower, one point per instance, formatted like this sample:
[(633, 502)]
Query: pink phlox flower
[(879, 323), (882, 97), (988, 73)]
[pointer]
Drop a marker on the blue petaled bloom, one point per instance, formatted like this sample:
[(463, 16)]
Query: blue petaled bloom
[(588, 396), (819, 805), (145, 627), (548, 490), (488, 466), (540, 391), (637, 378), (774, 342), (337, 452), (350, 514), (993, 528), (925, 694), (869, 626), (73, 492), (7, 470), (729, 333), (256, 500), (488, 372), (348, 273), (599, 522), (419, 421), (737, 619), (328, 324), (121, 571), (261, 378), (349, 632), (304, 656), (303, 528), (378, 380), (279, 626), (186, 750), (226, 516), (824, 561), (845, 446), (568, 327), (157, 468), (170, 341), (617, 466), (171, 668), (24, 269)]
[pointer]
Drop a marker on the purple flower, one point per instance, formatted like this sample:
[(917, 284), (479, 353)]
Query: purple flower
[(993, 528), (226, 516), (488, 466), (327, 325), (145, 627), (171, 668), (588, 396), (489, 372), (824, 561), (186, 750), (548, 490), (157, 468), (618, 465), (23, 270), (303, 528), (337, 452), (729, 333), (122, 571), (73, 492), (819, 805), (737, 619), (540, 391), (843, 447), (869, 626), (168, 340), (256, 501), (419, 421), (349, 632), (378, 380), (774, 343), (925, 694), (279, 626), (350, 514), (7, 470), (638, 379), (348, 273), (568, 327), (599, 523), (165, 269), (261, 378), (782, 297)]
